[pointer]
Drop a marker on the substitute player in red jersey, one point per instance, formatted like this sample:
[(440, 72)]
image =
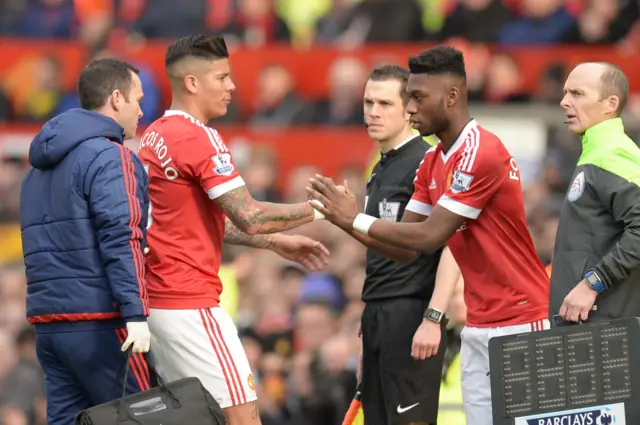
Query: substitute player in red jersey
[(198, 199), (468, 189)]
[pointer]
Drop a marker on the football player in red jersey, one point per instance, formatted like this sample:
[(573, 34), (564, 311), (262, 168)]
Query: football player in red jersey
[(469, 195), (197, 200)]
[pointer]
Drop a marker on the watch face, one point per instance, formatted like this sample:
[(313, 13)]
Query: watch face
[(435, 315)]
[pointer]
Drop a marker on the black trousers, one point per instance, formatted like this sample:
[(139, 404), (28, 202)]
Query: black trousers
[(396, 389)]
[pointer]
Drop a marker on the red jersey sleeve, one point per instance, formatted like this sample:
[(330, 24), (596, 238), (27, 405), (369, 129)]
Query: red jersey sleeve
[(420, 202), (208, 161), (478, 174)]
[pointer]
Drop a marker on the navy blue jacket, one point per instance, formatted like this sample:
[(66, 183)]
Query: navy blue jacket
[(83, 216)]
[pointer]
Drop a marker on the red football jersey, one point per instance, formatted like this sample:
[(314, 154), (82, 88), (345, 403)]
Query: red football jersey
[(189, 165), (504, 281)]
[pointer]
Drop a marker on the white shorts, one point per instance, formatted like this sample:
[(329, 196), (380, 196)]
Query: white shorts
[(202, 343), (474, 356)]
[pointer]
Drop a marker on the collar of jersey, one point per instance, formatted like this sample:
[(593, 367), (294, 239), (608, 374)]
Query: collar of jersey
[(460, 140), (601, 130), (395, 150), (174, 112)]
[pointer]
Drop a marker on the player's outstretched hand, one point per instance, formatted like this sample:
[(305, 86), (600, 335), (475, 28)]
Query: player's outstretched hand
[(337, 204), (578, 303), (139, 336), (426, 340), (311, 254)]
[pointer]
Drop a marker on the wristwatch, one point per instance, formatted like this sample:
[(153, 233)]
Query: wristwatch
[(433, 315), (594, 281)]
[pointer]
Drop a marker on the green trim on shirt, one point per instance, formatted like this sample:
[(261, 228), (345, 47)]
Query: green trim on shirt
[(607, 146)]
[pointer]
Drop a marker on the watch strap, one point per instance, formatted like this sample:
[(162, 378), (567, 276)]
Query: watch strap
[(594, 281)]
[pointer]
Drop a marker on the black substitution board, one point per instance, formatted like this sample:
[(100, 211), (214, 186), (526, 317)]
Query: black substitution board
[(588, 372)]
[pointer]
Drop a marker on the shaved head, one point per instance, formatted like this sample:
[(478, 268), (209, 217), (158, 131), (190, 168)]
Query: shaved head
[(190, 65)]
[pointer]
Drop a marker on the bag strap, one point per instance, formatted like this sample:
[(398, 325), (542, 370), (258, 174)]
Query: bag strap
[(126, 373), (155, 381), (122, 370), (154, 377), (123, 409)]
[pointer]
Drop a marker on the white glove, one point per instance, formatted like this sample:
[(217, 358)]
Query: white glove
[(137, 334)]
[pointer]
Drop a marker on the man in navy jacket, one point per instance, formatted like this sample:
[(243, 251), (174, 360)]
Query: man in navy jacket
[(83, 215)]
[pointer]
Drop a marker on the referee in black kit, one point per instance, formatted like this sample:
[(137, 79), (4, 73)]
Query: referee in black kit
[(402, 327)]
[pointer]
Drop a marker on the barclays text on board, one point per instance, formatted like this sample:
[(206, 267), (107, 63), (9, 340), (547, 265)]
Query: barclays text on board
[(612, 414)]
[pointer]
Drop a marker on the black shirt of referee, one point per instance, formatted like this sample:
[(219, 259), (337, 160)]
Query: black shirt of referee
[(397, 389), (388, 191)]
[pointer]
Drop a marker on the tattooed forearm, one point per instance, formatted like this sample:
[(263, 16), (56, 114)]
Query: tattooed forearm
[(255, 413), (254, 217), (235, 236)]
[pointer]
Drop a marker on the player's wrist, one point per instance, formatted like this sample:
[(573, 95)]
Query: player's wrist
[(430, 323), (276, 240), (362, 223)]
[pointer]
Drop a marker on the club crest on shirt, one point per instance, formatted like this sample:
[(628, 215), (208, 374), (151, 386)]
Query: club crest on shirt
[(460, 182), (222, 164), (389, 210), (577, 188)]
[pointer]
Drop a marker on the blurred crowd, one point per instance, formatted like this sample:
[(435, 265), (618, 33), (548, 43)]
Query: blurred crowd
[(299, 329), (345, 22), (493, 78), (473, 24)]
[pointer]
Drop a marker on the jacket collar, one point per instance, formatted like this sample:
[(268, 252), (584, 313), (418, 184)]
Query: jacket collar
[(600, 130)]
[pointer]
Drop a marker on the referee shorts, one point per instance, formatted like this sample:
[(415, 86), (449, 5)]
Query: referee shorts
[(396, 389)]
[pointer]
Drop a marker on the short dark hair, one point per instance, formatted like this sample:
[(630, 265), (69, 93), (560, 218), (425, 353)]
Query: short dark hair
[(614, 82), (438, 61), (391, 72), (102, 77), (197, 46)]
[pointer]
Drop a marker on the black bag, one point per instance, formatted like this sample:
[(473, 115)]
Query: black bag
[(181, 402)]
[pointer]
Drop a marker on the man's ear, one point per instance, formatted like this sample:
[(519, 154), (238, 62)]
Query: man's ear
[(191, 84), (612, 104), (452, 97), (116, 99)]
